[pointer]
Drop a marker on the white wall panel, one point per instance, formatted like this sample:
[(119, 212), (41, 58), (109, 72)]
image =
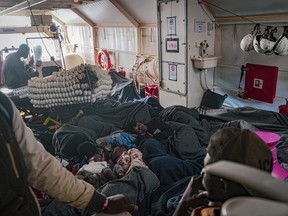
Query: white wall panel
[(171, 99), (228, 75)]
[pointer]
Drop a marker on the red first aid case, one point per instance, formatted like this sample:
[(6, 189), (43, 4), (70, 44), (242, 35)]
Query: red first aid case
[(260, 82)]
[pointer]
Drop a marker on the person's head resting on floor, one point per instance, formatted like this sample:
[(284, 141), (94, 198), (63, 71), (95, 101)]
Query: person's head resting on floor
[(237, 145), (134, 127)]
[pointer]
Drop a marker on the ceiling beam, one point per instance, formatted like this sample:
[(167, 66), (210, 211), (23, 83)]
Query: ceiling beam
[(85, 18), (208, 8), (23, 30), (21, 6), (125, 13), (265, 18)]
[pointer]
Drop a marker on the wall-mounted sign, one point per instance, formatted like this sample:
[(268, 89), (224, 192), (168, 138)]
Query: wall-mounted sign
[(199, 26), (172, 72), (171, 25), (172, 45)]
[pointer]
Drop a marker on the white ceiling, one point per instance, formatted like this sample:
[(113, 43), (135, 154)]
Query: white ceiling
[(68, 17), (248, 7), (105, 13)]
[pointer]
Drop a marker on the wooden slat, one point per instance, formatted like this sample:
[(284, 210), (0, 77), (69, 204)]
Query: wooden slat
[(86, 19), (15, 5), (125, 13), (28, 29), (254, 18), (20, 6)]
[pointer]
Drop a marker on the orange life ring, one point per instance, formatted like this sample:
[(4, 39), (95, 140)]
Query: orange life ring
[(103, 59)]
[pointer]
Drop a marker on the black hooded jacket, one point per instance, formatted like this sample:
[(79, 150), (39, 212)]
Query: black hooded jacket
[(14, 74)]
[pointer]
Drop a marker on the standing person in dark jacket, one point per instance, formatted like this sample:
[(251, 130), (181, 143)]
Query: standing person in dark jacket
[(14, 73)]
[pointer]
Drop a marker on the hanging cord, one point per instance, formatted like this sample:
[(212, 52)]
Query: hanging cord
[(240, 93), (174, 23), (216, 6), (236, 15), (243, 68), (30, 9), (171, 9)]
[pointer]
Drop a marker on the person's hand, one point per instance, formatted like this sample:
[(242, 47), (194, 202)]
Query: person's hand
[(119, 203), (191, 197), (17, 207)]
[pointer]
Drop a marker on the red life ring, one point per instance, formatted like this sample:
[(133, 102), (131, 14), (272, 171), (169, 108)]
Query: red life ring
[(103, 59)]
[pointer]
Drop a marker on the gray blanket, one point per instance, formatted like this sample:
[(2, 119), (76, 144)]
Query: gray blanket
[(135, 185), (186, 142)]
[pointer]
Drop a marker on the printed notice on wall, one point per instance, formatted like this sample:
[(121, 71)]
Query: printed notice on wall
[(172, 45), (172, 72), (199, 26), (171, 25)]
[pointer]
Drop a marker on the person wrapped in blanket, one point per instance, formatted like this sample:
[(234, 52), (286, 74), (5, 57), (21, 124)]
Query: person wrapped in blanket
[(123, 160), (231, 144), (91, 172), (45, 173), (155, 128), (115, 157), (155, 140)]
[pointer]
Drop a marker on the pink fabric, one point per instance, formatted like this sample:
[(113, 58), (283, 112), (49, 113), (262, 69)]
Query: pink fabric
[(271, 139), (131, 158)]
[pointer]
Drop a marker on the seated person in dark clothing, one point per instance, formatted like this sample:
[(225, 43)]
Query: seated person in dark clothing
[(155, 128), (14, 73)]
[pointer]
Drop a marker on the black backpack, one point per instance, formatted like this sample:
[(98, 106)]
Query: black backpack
[(13, 180)]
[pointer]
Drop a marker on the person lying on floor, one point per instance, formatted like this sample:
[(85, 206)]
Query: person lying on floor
[(104, 167), (157, 154), (92, 171), (231, 144), (117, 138), (124, 160), (155, 128), (134, 181), (131, 177)]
